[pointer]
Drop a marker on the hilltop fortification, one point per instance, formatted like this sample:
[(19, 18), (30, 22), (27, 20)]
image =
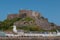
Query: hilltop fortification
[(39, 20)]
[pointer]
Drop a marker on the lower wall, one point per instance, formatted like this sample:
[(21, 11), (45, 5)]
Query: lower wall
[(29, 38)]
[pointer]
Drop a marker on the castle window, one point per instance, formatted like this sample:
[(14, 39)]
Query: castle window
[(23, 15)]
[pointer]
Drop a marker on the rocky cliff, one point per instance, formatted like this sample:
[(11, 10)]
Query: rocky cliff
[(31, 18)]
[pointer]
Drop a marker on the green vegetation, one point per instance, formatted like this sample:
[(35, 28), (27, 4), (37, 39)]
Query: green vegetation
[(7, 25), (31, 28), (28, 19)]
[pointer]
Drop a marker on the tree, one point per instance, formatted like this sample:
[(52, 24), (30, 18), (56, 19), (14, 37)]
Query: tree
[(6, 24)]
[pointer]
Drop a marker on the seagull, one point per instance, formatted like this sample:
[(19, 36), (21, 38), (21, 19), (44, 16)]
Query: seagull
[(14, 29)]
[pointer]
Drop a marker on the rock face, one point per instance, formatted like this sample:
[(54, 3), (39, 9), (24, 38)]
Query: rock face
[(39, 19)]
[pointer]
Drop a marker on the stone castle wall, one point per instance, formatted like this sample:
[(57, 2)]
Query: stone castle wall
[(23, 13), (39, 19), (11, 16), (29, 38)]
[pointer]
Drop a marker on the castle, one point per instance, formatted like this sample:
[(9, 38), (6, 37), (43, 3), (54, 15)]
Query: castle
[(23, 13), (39, 19)]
